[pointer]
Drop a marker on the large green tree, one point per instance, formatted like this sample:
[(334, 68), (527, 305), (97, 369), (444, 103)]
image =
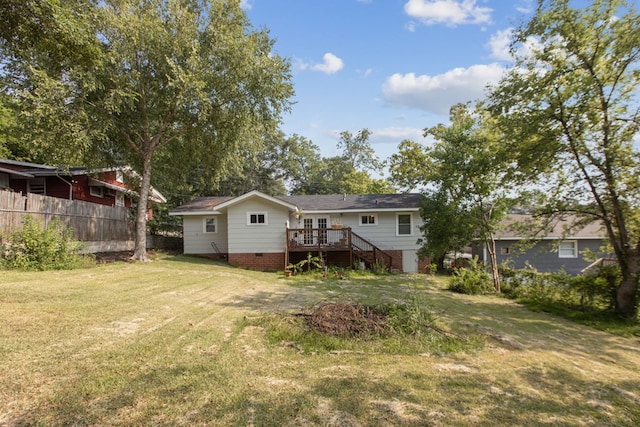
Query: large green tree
[(569, 111), (469, 173), (187, 77), (180, 82)]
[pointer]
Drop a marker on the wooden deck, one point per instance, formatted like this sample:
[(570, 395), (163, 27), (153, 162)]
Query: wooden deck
[(342, 241), (318, 239)]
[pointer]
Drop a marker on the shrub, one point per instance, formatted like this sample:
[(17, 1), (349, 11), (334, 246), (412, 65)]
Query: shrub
[(472, 280), (41, 248), (562, 293)]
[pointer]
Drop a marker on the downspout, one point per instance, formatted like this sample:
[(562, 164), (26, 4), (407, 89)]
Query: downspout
[(70, 184)]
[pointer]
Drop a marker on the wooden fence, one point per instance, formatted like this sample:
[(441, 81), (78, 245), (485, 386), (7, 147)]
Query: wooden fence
[(91, 223)]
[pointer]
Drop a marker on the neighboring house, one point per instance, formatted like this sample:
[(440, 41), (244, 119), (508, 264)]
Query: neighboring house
[(559, 248), (269, 232), (103, 186)]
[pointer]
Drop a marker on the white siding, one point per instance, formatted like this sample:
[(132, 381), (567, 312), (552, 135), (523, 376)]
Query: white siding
[(257, 238), (383, 234), (196, 241)]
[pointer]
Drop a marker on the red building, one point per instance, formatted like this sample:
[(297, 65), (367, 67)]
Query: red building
[(111, 187)]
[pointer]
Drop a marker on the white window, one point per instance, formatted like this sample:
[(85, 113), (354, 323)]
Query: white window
[(368, 219), (119, 199), (257, 218), (37, 186), (505, 250), (404, 225), (568, 249), (119, 176), (209, 225), (96, 191)]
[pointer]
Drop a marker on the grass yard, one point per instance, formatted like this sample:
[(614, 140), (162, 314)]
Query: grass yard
[(178, 341)]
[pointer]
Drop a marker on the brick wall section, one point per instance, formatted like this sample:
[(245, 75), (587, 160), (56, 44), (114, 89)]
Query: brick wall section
[(396, 260), (264, 261), (423, 265)]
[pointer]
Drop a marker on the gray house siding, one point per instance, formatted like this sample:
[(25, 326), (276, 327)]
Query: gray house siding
[(544, 256)]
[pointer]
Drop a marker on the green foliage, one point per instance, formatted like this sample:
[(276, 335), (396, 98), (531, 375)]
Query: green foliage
[(571, 129), (394, 328), (472, 280), (571, 296), (311, 262), (414, 318), (41, 248)]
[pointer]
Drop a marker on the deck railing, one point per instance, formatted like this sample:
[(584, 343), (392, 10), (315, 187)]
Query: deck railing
[(300, 239), (332, 239)]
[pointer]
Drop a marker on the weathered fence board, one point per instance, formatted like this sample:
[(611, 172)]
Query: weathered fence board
[(90, 222)]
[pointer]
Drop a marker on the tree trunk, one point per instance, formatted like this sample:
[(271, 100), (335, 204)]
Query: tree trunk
[(140, 251), (495, 275), (627, 291)]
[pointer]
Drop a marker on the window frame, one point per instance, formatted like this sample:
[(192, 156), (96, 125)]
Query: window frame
[(33, 181), (257, 214), (574, 253), (398, 215), (369, 216), (94, 188), (204, 225), (119, 199)]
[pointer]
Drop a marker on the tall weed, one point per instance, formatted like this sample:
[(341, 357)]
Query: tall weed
[(40, 248)]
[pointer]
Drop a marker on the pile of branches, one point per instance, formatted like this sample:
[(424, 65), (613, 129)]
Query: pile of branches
[(348, 320)]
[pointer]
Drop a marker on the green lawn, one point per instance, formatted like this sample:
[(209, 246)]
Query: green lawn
[(176, 342)]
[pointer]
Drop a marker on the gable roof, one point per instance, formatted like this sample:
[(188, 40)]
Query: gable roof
[(355, 202), (520, 226), (331, 203)]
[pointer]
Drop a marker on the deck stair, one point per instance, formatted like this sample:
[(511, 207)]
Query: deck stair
[(324, 240)]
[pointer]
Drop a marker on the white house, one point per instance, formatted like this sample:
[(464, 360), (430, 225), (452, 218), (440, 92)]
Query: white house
[(265, 232)]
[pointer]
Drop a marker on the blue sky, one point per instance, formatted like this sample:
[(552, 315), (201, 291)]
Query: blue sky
[(394, 67)]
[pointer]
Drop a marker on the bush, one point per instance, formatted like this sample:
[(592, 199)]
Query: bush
[(559, 292), (41, 248), (472, 280)]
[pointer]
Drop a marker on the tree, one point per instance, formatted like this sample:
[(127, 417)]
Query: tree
[(408, 166), (48, 50), (446, 226), (569, 112), (359, 182), (469, 172), (358, 152), (181, 82)]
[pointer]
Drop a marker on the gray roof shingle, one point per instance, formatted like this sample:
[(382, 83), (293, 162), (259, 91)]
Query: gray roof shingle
[(330, 202)]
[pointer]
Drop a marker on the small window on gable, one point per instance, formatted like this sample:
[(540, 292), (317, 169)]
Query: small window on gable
[(209, 225), (404, 224), (96, 191), (568, 249), (119, 176), (119, 199), (369, 219), (37, 186), (256, 218)]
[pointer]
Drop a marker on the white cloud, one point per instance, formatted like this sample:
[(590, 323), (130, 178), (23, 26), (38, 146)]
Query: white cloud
[(394, 135), (436, 94), (246, 4), (332, 64), (499, 45), (449, 12)]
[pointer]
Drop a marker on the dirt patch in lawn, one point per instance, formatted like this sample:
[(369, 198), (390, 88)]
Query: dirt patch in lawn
[(109, 257)]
